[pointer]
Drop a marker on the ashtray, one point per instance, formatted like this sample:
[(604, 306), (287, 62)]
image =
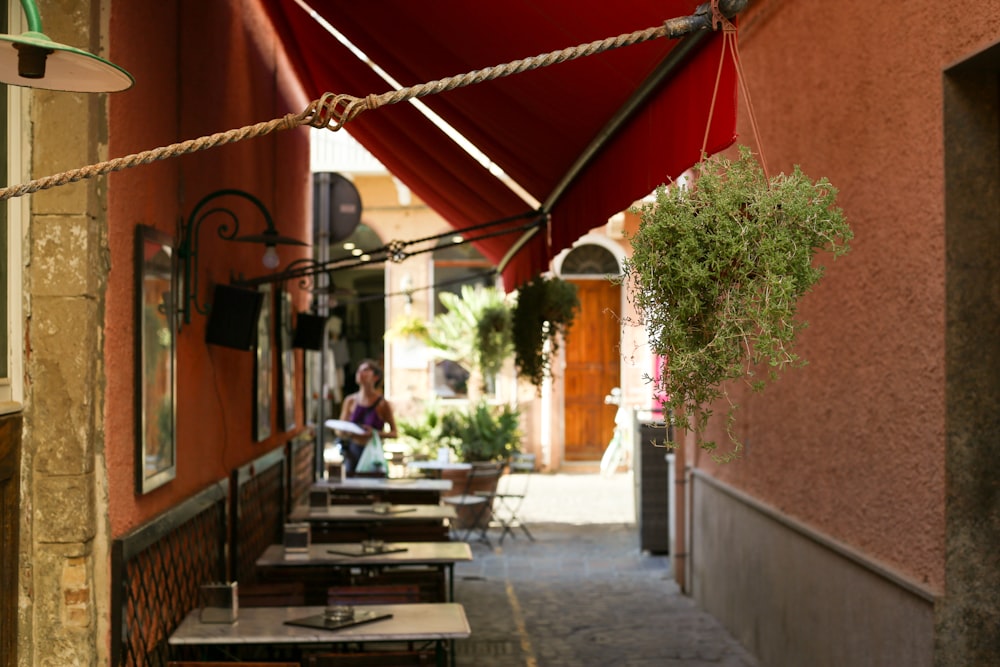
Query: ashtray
[(338, 613), (372, 546)]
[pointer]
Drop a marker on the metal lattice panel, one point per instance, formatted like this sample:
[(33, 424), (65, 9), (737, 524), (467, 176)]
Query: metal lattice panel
[(160, 582), (259, 518), (302, 471)]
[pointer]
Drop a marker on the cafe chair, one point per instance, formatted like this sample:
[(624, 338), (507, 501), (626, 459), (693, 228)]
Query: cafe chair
[(277, 594), (197, 663), (373, 594), (511, 491), (349, 498), (474, 505), (413, 658)]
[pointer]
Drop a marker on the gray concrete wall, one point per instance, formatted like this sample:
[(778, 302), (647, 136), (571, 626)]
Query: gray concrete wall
[(793, 597), (968, 618)]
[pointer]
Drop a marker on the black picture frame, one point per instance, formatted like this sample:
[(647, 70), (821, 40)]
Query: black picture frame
[(155, 358), (286, 358), (264, 367)]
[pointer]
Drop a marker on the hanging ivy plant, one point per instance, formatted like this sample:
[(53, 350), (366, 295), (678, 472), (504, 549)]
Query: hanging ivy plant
[(493, 335), (544, 312), (716, 273)]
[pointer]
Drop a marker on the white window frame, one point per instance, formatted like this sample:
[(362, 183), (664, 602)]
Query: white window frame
[(12, 386)]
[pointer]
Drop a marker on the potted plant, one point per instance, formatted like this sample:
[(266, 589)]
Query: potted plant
[(486, 436), (482, 432), (545, 310), (421, 435), (716, 273)]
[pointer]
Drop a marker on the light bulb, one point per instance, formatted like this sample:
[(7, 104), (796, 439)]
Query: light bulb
[(271, 259)]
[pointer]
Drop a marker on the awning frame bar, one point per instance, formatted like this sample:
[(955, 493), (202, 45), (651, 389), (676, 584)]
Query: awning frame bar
[(667, 67)]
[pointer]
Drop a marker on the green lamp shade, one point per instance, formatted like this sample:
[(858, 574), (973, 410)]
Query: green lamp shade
[(33, 60)]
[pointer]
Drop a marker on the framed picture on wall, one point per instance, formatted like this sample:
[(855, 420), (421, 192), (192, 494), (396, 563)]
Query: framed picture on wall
[(312, 386), (155, 359), (286, 376), (264, 362)]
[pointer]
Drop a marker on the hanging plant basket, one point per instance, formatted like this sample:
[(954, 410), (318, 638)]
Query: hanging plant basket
[(544, 312), (716, 273)]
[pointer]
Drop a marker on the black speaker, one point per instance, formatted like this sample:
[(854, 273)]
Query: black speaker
[(309, 331), (232, 321)]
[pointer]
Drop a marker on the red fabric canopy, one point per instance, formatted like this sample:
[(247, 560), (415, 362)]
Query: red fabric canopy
[(534, 125)]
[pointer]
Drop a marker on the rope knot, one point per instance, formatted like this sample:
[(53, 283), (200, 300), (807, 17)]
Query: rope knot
[(334, 111)]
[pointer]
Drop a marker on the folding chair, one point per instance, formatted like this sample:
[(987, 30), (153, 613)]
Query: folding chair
[(510, 495), (474, 505)]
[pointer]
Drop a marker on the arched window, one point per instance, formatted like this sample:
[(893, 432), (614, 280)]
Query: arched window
[(589, 260)]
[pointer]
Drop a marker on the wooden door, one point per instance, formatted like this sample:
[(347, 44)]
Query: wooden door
[(10, 475), (593, 364)]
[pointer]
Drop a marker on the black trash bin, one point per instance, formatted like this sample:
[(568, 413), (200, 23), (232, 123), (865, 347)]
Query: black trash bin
[(653, 480)]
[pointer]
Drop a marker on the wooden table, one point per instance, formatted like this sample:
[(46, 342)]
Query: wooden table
[(263, 628), (439, 555), (406, 490), (353, 523)]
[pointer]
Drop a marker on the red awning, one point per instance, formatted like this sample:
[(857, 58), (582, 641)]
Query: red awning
[(534, 125)]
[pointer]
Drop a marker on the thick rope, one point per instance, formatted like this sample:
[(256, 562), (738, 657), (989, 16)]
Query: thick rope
[(146, 157), (334, 111)]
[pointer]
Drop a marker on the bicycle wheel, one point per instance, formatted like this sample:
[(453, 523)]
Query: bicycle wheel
[(613, 454)]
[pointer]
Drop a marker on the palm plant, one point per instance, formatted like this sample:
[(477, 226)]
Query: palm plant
[(474, 331)]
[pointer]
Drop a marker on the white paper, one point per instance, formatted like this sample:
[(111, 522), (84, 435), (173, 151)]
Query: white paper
[(343, 425)]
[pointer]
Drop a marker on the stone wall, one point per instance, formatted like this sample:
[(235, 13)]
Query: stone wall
[(67, 265)]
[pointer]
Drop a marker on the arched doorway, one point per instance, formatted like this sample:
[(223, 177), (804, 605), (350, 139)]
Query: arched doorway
[(359, 302), (593, 359)]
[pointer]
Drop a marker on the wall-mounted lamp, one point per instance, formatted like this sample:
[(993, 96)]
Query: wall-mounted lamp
[(188, 249), (32, 59)]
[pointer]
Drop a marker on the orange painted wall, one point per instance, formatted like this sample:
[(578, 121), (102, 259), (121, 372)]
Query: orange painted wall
[(853, 444), (200, 68)]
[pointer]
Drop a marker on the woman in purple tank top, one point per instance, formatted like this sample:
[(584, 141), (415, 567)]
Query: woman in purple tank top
[(367, 408)]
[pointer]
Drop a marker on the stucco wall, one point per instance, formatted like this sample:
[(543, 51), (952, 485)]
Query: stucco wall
[(853, 446), (200, 68), (853, 443)]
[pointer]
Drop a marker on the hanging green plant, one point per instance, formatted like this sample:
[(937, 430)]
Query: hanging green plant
[(493, 335), (544, 312), (716, 273)]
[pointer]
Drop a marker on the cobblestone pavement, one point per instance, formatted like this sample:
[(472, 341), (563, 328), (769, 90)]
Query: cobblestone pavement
[(582, 593)]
